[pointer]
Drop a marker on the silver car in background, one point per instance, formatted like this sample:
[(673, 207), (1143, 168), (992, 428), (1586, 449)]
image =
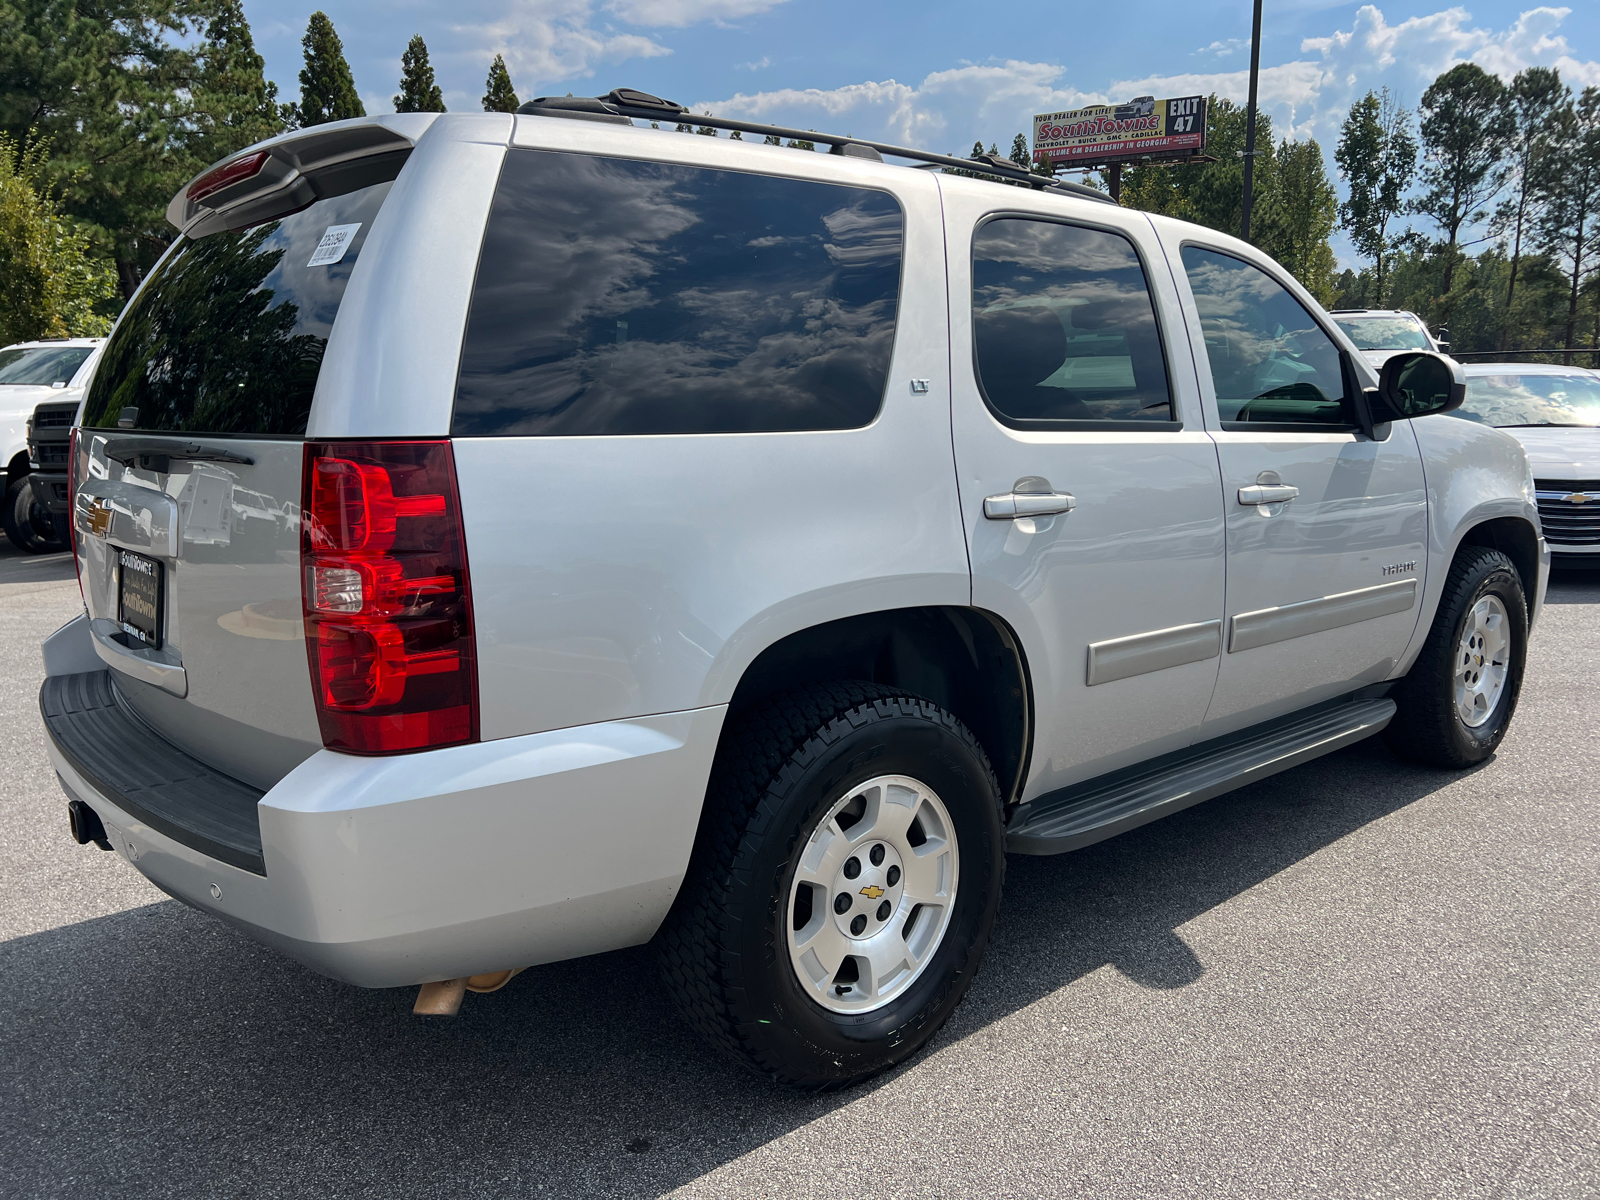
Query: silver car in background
[(1554, 411)]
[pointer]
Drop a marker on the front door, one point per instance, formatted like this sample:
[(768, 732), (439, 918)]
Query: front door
[(1327, 527), (1089, 489)]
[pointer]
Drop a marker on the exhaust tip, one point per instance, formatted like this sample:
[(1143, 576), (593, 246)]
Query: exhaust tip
[(86, 825)]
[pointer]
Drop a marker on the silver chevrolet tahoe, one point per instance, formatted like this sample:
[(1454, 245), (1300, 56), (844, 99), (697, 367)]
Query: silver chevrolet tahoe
[(505, 538)]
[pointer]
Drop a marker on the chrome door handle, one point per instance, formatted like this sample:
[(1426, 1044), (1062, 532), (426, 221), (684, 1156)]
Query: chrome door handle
[(1258, 493), (1008, 506)]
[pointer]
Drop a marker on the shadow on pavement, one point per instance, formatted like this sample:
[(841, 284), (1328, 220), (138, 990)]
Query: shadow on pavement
[(17, 567), (158, 1052)]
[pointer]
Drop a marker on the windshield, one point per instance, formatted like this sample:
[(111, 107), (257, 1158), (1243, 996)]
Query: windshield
[(1508, 400), (42, 366), (1385, 333)]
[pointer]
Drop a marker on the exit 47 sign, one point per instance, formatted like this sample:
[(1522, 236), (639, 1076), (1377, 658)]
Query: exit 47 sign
[(1145, 128)]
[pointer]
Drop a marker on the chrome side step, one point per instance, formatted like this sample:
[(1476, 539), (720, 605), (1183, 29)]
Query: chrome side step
[(1100, 808)]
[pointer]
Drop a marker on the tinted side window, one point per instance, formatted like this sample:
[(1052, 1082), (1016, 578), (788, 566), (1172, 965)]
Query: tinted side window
[(1063, 325), (227, 335), (1270, 361), (622, 297)]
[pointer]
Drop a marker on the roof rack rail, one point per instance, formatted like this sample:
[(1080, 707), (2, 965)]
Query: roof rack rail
[(627, 103)]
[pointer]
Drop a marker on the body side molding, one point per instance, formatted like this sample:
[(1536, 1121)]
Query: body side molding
[(1140, 653), (1268, 625)]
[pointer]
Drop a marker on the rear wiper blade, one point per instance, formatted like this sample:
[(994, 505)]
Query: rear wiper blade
[(156, 454)]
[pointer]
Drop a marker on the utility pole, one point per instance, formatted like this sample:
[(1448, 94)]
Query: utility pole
[(1250, 126)]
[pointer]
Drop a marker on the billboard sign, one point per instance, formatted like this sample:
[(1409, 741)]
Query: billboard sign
[(1105, 133)]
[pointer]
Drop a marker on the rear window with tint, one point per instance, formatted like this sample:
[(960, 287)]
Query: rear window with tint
[(227, 336), (622, 297)]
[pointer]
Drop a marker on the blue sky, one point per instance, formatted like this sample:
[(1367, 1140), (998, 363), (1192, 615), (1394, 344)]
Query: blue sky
[(935, 73)]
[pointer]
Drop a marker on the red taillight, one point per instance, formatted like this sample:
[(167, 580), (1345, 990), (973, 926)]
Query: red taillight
[(387, 602), (227, 174)]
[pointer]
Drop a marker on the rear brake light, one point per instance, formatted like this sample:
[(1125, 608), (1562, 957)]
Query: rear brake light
[(227, 174), (387, 602)]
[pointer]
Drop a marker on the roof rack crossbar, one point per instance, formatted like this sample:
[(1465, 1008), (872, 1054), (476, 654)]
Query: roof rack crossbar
[(629, 103)]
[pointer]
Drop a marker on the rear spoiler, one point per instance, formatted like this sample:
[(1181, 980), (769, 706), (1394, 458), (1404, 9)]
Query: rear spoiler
[(280, 175)]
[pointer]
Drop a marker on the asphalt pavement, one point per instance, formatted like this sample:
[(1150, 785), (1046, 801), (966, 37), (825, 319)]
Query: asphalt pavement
[(1359, 978)]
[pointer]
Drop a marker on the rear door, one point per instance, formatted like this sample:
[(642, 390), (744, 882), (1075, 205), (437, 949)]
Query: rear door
[(1089, 489), (190, 466)]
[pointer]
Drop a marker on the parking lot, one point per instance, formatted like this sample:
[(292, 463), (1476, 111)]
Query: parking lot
[(1358, 978)]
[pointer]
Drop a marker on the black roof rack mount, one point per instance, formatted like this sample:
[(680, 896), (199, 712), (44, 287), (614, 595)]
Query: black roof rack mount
[(622, 104)]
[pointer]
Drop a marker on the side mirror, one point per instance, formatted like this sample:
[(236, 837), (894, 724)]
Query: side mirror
[(1441, 335), (1417, 383)]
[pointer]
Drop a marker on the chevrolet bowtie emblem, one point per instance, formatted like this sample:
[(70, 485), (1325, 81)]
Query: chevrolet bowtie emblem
[(872, 891), (1579, 498)]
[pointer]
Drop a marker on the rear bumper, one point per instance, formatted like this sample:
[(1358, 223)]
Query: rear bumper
[(400, 870)]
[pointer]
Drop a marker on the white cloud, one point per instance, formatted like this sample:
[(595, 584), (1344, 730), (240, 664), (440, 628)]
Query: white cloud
[(679, 13), (947, 110), (1224, 48), (1308, 97), (761, 64), (548, 40)]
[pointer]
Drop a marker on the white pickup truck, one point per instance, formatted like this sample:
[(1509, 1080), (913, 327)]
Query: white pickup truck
[(704, 541)]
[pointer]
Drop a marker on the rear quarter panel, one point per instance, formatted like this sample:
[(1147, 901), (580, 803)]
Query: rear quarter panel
[(619, 576)]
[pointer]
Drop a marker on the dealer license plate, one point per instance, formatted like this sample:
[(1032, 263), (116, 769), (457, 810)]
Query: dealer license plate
[(139, 598)]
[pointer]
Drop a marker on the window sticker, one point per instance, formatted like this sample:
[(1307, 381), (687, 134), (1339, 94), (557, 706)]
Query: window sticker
[(333, 244)]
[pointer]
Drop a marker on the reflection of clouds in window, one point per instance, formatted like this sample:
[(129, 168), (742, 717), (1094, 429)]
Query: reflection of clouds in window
[(749, 302), (1064, 327), (1269, 360)]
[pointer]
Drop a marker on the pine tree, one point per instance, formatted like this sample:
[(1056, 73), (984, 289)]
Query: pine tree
[(234, 105), (1569, 190), (1377, 157), (772, 139), (1019, 153), (418, 91), (327, 89), (499, 97), (1465, 130), (1535, 100)]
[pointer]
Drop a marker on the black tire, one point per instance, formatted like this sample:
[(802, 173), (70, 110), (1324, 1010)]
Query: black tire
[(1428, 727), (724, 950), (28, 523)]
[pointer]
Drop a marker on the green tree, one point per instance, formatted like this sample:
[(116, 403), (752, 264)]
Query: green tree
[(1465, 130), (1210, 194), (1295, 219), (233, 105), (1377, 157), (1020, 153), (50, 280), (1568, 183), (327, 89), (100, 87), (499, 96), (418, 91), (1535, 99)]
